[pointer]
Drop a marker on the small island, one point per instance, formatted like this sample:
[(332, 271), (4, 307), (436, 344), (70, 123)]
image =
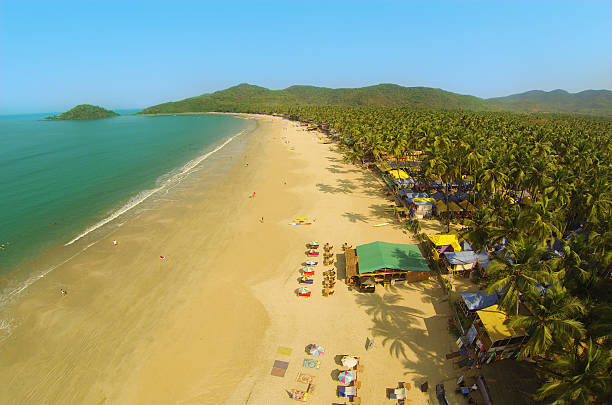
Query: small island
[(84, 112)]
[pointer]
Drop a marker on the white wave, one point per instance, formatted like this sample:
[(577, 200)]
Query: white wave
[(188, 167)]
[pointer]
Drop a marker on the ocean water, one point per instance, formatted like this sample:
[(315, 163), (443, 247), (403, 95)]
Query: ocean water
[(62, 180)]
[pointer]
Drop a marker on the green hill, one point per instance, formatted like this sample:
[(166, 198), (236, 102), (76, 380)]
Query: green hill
[(592, 102), (84, 112), (245, 97)]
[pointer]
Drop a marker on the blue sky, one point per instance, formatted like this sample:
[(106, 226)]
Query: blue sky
[(129, 54)]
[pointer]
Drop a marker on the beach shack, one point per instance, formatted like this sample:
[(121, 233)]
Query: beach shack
[(443, 243), (493, 336), (423, 207), (473, 301), (461, 263), (384, 263)]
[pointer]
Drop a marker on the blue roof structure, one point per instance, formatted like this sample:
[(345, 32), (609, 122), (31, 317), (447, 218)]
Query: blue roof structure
[(438, 196), (408, 181), (410, 196), (458, 196), (477, 300), (461, 257), (483, 259)]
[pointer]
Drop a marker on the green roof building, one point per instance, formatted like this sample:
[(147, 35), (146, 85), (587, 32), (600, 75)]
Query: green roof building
[(382, 262)]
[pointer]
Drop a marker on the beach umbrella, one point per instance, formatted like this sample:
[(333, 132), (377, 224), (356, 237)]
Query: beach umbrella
[(346, 377), (349, 361), (317, 350)]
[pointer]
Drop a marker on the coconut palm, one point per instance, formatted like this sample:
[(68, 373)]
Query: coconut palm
[(581, 376), (517, 271), (551, 320)]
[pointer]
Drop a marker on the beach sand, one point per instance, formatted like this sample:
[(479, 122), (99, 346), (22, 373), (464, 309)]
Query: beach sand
[(203, 325)]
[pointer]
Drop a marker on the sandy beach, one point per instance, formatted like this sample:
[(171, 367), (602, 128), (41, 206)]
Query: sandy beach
[(204, 324)]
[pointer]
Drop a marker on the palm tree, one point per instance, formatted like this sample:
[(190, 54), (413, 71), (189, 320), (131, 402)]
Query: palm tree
[(580, 377), (517, 271), (551, 320), (540, 221)]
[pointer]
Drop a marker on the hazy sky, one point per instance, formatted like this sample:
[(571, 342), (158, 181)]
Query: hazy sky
[(128, 54)]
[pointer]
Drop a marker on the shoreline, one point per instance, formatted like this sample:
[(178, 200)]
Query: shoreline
[(57, 256), (203, 324)]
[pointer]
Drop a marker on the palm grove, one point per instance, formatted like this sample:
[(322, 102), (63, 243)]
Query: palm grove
[(564, 163)]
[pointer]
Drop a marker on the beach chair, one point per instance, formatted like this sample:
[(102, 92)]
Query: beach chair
[(298, 395), (398, 393), (331, 293), (347, 392), (306, 280)]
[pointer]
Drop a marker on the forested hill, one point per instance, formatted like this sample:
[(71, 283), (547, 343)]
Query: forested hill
[(84, 112), (244, 97), (593, 102)]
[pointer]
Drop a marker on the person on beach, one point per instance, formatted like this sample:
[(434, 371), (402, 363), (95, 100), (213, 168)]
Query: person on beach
[(115, 243), (63, 292), (261, 220)]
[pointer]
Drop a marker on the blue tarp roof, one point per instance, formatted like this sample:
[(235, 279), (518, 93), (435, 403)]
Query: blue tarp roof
[(402, 192), (458, 196), (465, 245), (410, 196), (461, 257), (483, 259), (438, 196), (477, 300), (404, 181)]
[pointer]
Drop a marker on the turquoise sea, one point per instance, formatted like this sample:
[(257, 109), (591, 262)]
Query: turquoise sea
[(60, 180)]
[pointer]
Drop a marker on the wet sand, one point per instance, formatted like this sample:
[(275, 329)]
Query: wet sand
[(203, 325)]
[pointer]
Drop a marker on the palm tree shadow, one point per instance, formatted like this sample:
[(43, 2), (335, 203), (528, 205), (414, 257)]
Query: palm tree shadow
[(354, 217), (398, 327)]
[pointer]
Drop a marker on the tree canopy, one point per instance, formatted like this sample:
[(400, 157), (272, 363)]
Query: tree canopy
[(84, 112)]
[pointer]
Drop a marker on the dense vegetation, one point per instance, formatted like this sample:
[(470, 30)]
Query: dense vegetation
[(246, 96), (84, 112), (592, 102), (565, 163)]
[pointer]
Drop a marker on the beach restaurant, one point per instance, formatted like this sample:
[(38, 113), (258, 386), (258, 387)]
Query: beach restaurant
[(384, 263)]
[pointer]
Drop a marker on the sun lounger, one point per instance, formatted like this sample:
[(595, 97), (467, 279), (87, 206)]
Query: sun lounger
[(347, 392), (298, 395), (311, 363), (398, 393), (306, 280)]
